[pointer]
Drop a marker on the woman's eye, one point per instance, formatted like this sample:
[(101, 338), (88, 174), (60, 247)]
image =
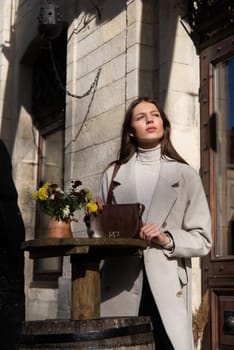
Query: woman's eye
[(140, 117)]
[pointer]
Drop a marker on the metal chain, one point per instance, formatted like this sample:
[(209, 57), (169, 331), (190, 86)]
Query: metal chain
[(67, 92)]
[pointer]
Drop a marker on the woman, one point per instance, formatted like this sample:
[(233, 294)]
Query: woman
[(176, 226)]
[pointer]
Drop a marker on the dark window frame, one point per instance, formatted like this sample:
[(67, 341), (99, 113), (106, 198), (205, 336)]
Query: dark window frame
[(45, 279), (48, 114), (210, 57)]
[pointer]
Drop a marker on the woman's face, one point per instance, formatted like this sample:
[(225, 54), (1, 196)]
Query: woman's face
[(147, 125)]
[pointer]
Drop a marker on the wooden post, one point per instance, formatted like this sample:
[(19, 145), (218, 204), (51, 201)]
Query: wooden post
[(85, 289)]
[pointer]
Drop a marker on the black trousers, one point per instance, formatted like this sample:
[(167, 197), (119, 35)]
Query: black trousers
[(149, 308)]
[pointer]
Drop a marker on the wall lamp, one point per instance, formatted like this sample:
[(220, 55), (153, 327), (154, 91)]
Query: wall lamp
[(50, 23)]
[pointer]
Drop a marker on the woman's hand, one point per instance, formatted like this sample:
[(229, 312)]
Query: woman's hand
[(99, 201), (151, 232)]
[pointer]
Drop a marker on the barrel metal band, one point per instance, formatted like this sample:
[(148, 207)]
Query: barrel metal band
[(91, 335)]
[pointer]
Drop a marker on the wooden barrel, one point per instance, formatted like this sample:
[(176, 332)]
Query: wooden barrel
[(105, 333)]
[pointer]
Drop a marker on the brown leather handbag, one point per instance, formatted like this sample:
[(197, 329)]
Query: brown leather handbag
[(116, 220)]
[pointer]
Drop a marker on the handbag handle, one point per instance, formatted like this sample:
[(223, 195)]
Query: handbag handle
[(112, 185)]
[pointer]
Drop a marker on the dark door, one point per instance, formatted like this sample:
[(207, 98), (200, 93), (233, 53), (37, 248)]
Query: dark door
[(217, 142)]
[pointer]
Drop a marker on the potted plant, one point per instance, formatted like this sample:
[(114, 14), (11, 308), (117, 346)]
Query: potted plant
[(61, 206)]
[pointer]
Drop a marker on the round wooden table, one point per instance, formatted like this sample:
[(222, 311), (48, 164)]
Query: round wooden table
[(85, 256)]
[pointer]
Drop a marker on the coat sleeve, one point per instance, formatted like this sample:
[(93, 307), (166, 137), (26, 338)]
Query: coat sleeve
[(194, 238)]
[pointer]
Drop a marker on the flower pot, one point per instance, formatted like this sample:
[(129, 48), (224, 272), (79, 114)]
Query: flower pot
[(59, 229)]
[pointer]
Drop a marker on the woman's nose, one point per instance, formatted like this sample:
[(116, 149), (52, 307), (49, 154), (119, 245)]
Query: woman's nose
[(149, 119)]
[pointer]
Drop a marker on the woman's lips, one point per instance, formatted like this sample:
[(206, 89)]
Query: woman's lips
[(151, 129)]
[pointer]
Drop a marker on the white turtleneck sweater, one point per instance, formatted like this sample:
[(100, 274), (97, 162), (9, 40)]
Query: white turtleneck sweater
[(147, 173)]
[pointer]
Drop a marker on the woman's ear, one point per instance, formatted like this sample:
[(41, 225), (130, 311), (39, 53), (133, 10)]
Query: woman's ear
[(131, 133)]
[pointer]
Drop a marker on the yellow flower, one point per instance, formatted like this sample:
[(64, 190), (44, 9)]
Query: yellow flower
[(42, 193), (54, 202), (92, 207)]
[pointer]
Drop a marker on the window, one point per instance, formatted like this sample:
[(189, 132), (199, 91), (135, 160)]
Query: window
[(224, 160), (48, 113), (50, 169)]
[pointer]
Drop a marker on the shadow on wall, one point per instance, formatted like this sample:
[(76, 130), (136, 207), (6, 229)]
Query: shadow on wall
[(17, 92), (163, 17), (158, 30)]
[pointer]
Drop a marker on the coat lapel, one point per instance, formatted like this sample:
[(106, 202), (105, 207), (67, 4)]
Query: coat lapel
[(125, 180), (164, 195)]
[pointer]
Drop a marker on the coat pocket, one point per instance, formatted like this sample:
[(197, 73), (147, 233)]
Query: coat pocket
[(182, 272)]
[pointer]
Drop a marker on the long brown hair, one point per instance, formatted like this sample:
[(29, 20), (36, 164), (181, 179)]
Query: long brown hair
[(129, 144)]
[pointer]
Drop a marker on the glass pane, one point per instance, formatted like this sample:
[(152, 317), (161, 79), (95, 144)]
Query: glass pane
[(224, 120), (52, 168), (52, 171)]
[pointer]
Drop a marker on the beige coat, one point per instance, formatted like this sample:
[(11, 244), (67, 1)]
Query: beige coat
[(179, 205)]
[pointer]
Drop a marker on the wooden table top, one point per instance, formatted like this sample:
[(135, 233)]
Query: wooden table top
[(97, 248)]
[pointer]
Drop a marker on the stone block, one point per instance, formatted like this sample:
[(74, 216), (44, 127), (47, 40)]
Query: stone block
[(176, 76), (112, 71), (91, 62), (187, 142), (114, 27), (177, 49), (140, 11), (184, 51), (41, 304), (132, 84), (183, 108), (140, 57), (141, 83), (147, 83), (139, 32), (64, 298), (118, 44), (104, 99), (100, 129), (89, 44), (94, 159)]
